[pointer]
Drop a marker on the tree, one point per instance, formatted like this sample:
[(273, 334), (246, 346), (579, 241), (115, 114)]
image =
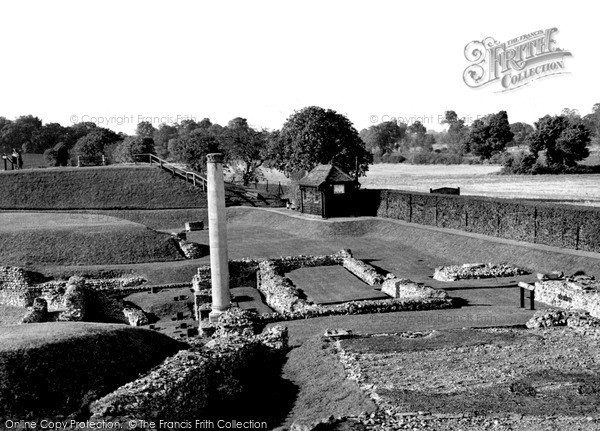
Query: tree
[(48, 137), (57, 156), (571, 113), (315, 136), (457, 131), (162, 136), (592, 121), (489, 135), (563, 138), (383, 138), (246, 149), (94, 144), (21, 133), (125, 150), (428, 142), (417, 133), (145, 129), (78, 131), (520, 132), (193, 148)]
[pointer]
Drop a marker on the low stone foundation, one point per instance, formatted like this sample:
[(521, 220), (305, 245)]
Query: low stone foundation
[(476, 270), (76, 299), (571, 293), (289, 302)]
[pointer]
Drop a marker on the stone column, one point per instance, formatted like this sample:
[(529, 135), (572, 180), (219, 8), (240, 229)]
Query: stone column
[(217, 231)]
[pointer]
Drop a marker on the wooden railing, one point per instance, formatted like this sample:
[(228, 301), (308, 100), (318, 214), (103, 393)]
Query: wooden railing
[(191, 177)]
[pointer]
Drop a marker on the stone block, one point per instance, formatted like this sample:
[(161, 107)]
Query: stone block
[(191, 226), (400, 288), (135, 316)]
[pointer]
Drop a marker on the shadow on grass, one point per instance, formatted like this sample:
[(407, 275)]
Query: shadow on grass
[(269, 398)]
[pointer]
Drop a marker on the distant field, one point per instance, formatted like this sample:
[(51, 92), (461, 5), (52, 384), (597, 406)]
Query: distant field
[(482, 180)]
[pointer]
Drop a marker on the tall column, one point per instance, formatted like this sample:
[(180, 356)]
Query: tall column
[(217, 231)]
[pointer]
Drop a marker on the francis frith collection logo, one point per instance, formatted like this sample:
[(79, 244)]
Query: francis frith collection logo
[(515, 63)]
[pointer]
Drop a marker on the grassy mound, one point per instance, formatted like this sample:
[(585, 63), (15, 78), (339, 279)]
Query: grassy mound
[(114, 187), (33, 239), (58, 368)]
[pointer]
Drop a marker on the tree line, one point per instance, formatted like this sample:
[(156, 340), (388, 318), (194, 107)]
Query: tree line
[(315, 135), (309, 137), (553, 144)]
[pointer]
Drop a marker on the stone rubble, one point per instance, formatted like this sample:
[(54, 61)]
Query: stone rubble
[(37, 313), (204, 373), (73, 301), (578, 320)]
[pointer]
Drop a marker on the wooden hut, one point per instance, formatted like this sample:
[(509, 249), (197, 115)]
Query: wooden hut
[(328, 191)]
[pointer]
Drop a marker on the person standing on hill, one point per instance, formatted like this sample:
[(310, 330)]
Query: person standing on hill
[(19, 160), (14, 157)]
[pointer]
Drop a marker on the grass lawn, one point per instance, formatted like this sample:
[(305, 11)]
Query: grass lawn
[(409, 251), (332, 284), (10, 315), (321, 386)]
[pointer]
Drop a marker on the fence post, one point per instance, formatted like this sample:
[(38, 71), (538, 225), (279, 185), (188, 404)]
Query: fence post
[(103, 160), (78, 161)]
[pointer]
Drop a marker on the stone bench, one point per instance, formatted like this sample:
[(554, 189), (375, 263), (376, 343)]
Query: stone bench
[(531, 288)]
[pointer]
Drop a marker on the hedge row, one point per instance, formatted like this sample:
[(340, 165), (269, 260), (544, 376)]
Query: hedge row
[(557, 225)]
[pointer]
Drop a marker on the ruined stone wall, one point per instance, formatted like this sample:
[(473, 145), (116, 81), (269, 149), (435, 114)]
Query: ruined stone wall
[(15, 286), (570, 295), (195, 381)]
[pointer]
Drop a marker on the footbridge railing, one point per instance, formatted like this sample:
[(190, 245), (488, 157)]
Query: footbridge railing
[(191, 177)]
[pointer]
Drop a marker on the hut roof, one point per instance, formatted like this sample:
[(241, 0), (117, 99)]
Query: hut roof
[(325, 173)]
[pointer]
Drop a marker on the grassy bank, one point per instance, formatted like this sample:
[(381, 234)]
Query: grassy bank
[(37, 239), (114, 187)]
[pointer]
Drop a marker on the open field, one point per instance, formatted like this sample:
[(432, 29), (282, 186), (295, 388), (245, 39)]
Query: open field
[(482, 180)]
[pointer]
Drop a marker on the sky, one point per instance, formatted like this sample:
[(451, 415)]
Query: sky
[(120, 62)]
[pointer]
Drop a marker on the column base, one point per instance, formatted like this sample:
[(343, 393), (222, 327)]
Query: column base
[(213, 316)]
